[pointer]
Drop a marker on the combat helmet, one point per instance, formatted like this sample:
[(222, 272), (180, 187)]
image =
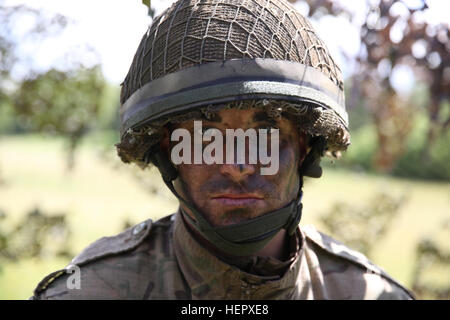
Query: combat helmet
[(200, 56)]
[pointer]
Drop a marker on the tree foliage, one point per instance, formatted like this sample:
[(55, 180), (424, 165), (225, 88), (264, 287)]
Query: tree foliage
[(394, 35), (362, 227), (65, 100), (41, 26), (62, 103), (431, 259), (35, 235)]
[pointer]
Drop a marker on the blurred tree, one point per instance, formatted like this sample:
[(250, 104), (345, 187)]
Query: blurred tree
[(36, 235), (63, 103), (385, 54), (151, 11), (361, 228), (432, 260), (394, 36), (41, 26)]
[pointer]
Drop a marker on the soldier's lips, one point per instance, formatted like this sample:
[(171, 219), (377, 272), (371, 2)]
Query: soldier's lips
[(237, 200)]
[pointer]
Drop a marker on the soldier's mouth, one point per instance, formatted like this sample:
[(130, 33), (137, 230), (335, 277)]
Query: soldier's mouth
[(237, 200)]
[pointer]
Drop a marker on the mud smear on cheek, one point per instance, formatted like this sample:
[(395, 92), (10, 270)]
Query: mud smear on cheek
[(185, 191), (191, 187), (190, 182), (288, 170)]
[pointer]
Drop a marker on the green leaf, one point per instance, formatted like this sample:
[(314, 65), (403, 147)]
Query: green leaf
[(147, 2)]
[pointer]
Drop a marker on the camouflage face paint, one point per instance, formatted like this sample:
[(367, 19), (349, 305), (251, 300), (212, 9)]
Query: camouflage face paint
[(232, 193)]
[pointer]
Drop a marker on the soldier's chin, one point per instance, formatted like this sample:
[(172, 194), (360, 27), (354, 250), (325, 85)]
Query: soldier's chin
[(234, 216)]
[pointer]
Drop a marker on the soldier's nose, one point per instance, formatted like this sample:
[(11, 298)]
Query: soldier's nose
[(237, 172)]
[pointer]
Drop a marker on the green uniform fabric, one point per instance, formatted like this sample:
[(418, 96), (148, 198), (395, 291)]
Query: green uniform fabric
[(161, 260)]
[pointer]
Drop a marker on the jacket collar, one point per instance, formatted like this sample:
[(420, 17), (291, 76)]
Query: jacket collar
[(210, 277)]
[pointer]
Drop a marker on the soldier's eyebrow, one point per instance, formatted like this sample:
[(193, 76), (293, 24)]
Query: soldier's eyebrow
[(263, 116)]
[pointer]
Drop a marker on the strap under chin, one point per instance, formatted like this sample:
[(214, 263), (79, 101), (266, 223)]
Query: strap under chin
[(248, 237)]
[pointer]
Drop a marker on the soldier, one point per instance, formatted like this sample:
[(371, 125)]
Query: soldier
[(230, 64)]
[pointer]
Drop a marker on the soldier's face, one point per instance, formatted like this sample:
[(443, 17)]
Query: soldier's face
[(230, 193)]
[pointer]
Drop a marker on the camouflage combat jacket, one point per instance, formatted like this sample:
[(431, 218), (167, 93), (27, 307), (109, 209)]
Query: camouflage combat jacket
[(161, 260)]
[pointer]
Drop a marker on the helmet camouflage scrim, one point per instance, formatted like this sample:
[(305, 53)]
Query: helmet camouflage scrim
[(200, 56)]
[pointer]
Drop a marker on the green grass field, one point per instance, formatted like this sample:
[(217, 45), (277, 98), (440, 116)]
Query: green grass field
[(101, 193)]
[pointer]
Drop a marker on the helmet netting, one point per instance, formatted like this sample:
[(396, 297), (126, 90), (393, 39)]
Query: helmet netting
[(193, 32), (310, 119)]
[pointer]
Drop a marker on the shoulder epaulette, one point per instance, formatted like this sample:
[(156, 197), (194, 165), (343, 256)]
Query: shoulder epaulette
[(336, 248), (122, 242), (103, 247)]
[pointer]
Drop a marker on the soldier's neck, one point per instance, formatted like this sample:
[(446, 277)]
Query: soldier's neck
[(277, 248)]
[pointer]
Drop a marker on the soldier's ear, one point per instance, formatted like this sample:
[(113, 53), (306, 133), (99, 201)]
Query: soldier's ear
[(159, 156), (304, 147), (310, 166)]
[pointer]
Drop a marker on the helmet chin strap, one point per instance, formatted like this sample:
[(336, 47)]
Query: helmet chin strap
[(240, 239)]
